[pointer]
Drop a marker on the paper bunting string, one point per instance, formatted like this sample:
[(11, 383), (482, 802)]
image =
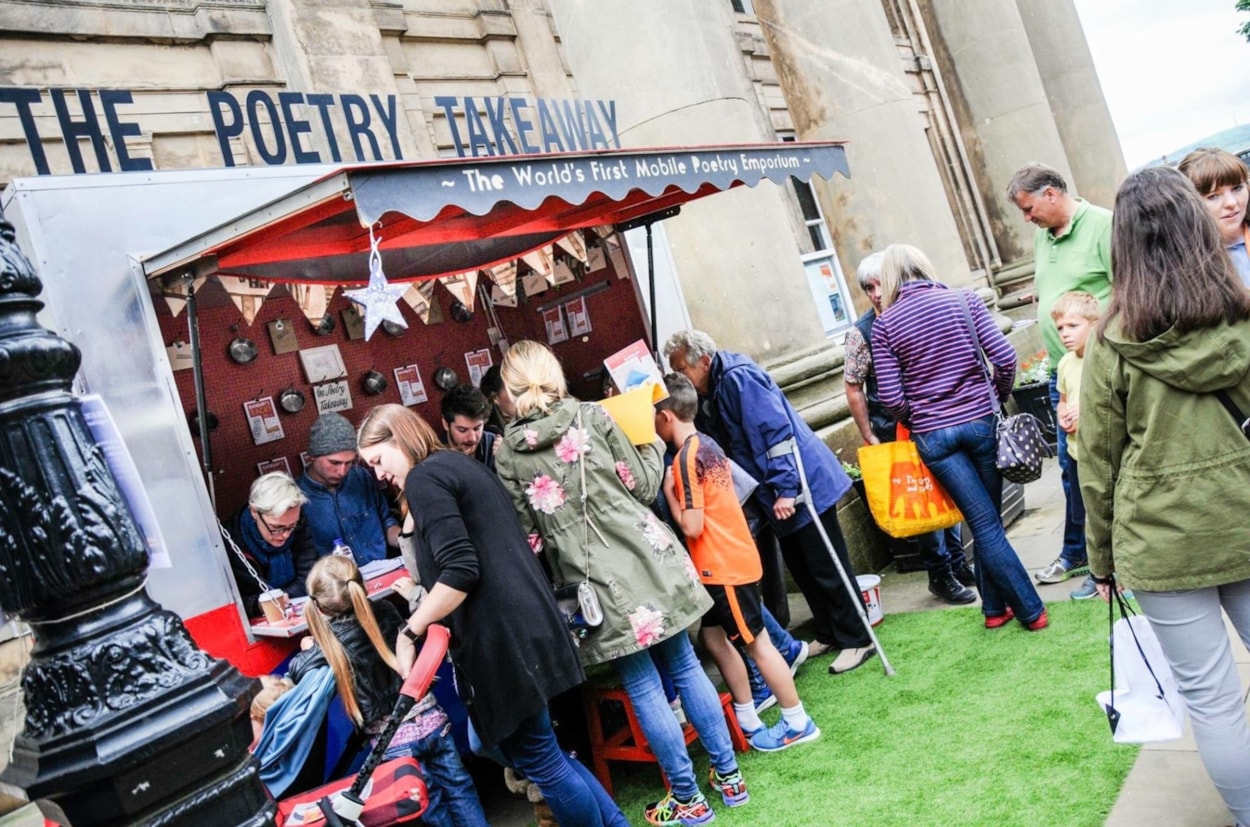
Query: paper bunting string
[(378, 301)]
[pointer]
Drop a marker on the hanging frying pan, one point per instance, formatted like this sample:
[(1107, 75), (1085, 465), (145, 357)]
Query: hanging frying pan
[(325, 326), (373, 383), (446, 378), (242, 350), (292, 400), (193, 421)]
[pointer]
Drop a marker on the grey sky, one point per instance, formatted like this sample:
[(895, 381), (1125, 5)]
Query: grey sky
[(1173, 71)]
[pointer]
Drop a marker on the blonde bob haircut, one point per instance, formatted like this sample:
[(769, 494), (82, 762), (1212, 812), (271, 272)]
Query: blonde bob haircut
[(901, 263), (335, 590), (533, 377), (411, 434)]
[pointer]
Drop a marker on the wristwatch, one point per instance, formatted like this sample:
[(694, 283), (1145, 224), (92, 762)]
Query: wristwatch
[(408, 633)]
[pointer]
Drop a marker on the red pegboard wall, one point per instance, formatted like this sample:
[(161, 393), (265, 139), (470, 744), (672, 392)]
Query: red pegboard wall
[(615, 316)]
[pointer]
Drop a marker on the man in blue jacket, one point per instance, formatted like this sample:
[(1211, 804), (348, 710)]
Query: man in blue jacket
[(744, 410), (344, 501)]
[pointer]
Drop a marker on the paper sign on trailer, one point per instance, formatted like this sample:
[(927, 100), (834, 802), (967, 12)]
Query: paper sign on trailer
[(411, 386)]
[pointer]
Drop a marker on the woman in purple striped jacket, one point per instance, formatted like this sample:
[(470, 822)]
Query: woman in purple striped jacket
[(932, 377)]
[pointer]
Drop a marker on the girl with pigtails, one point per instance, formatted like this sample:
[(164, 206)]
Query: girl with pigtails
[(353, 637)]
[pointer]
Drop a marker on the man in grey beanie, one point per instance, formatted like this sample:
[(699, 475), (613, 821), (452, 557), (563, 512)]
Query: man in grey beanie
[(344, 501)]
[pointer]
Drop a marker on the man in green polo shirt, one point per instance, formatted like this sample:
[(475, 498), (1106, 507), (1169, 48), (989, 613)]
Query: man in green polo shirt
[(1071, 251)]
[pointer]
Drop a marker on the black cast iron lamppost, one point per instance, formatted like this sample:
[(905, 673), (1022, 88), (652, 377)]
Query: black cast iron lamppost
[(127, 721)]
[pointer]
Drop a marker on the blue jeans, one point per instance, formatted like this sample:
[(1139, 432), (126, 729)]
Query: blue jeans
[(780, 638), (942, 552), (574, 795), (962, 459), (1073, 553), (699, 700), (453, 798)]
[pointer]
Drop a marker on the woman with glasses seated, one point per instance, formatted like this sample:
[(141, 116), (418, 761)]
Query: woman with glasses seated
[(272, 539)]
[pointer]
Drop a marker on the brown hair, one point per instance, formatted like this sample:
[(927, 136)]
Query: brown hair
[(682, 398), (1171, 268), (395, 423), (533, 376), (1210, 168), (1079, 302), (336, 589), (1035, 177)]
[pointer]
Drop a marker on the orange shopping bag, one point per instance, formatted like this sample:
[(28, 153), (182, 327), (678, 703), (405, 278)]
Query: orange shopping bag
[(903, 495)]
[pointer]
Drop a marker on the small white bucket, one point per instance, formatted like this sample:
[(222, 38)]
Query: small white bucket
[(870, 585)]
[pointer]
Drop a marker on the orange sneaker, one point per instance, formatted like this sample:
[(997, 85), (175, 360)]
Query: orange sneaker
[(1037, 625)]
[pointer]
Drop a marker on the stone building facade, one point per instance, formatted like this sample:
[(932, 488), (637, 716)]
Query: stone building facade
[(939, 103)]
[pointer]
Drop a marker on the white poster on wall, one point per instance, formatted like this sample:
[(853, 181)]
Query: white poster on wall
[(411, 387), (332, 397)]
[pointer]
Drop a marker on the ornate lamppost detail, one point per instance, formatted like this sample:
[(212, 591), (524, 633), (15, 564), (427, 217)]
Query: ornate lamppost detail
[(127, 720)]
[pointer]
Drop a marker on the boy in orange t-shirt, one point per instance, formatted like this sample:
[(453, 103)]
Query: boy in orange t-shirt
[(700, 493)]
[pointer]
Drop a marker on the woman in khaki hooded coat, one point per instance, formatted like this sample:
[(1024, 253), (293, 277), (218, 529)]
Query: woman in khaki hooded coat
[(1165, 467), (583, 491)]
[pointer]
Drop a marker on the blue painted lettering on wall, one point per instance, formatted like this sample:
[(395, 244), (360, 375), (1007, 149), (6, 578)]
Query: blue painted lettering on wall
[(546, 125), (294, 127)]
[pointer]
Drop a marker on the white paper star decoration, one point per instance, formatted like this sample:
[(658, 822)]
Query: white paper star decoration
[(378, 301)]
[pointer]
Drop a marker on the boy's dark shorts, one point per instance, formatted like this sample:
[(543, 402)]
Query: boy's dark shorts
[(738, 610)]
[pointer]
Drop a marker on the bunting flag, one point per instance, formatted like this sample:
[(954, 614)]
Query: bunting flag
[(540, 260), (504, 277), (574, 245), (462, 286), (313, 299), (177, 304), (420, 297), (247, 295)]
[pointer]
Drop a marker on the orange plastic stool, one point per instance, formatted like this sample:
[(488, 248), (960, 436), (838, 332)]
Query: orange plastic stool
[(627, 743)]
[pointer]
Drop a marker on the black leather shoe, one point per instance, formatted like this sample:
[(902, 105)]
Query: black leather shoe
[(949, 590), (964, 574)]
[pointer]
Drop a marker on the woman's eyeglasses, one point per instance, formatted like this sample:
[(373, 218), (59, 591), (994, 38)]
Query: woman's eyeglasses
[(277, 530)]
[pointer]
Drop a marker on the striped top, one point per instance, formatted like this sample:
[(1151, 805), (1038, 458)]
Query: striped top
[(929, 374)]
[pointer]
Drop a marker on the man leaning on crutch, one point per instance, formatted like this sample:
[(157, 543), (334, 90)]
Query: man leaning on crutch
[(744, 410)]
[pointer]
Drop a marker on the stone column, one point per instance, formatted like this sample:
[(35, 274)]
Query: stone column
[(127, 721), (843, 80), (1076, 100), (335, 46), (1006, 119), (678, 78)]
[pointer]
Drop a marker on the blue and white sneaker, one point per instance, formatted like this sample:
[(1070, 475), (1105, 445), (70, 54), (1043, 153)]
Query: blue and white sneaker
[(779, 736), (1087, 590), (797, 655)]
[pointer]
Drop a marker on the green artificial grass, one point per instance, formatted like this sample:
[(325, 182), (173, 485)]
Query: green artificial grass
[(977, 727)]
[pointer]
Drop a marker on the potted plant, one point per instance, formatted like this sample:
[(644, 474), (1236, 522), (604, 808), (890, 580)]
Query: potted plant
[(857, 478), (1032, 394)]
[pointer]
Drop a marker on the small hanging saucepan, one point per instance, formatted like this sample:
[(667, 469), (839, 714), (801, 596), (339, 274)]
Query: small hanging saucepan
[(325, 326), (446, 378), (193, 422), (242, 350), (373, 383), (292, 400)]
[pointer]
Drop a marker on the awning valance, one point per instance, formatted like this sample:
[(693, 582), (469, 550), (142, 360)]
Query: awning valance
[(447, 216)]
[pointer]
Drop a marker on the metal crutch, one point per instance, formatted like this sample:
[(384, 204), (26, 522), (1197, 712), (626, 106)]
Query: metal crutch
[(790, 446)]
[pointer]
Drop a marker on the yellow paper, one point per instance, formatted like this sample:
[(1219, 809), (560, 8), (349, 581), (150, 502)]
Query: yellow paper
[(633, 411)]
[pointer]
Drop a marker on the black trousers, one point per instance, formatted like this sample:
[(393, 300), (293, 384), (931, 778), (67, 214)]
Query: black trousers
[(836, 618)]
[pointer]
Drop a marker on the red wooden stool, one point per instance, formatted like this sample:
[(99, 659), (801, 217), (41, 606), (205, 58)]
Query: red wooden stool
[(627, 743)]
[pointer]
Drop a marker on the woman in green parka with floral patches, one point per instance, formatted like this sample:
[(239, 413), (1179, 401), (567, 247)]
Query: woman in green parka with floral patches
[(583, 492)]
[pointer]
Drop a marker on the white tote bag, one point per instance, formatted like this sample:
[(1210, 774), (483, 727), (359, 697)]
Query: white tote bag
[(1145, 705)]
